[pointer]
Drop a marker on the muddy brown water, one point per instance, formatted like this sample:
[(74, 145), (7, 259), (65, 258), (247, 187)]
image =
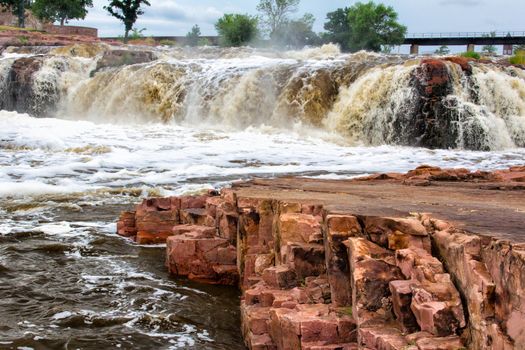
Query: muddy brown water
[(90, 289)]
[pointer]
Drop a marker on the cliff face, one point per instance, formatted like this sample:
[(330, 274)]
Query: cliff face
[(321, 268)]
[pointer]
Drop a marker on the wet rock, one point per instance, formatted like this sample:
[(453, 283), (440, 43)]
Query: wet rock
[(21, 94), (126, 224), (397, 233)]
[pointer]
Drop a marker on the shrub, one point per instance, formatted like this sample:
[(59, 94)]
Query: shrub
[(518, 58), (236, 29), (471, 54), (167, 42)]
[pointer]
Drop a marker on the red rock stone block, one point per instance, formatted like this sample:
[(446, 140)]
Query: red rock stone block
[(261, 342), (289, 207), (339, 228), (126, 226), (281, 277), (372, 268), (442, 343), (299, 228), (383, 337), (194, 231), (194, 217), (193, 202), (401, 301), (201, 259), (211, 205), (437, 306), (418, 264), (157, 221), (397, 233), (255, 319), (462, 254), (152, 238), (312, 209), (310, 325), (227, 220), (306, 259), (506, 264)]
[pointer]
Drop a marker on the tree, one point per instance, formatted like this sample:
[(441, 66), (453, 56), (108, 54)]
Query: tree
[(61, 10), (338, 28), (443, 50), (275, 13), (489, 49), (236, 29), (193, 36), (127, 11), (373, 26), (297, 33), (18, 8)]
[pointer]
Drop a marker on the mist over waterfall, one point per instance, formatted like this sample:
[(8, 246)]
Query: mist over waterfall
[(367, 99)]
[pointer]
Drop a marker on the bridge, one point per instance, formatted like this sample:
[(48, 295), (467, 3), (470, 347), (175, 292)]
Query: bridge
[(470, 39)]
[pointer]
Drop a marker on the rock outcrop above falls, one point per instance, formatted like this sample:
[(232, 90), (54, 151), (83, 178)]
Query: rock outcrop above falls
[(431, 259)]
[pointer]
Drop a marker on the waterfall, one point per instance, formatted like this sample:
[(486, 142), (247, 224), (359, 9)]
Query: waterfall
[(368, 99)]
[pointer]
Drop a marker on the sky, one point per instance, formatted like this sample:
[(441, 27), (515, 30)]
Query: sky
[(176, 17)]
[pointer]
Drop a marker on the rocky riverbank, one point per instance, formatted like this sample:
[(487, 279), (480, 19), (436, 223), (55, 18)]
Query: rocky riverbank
[(431, 259)]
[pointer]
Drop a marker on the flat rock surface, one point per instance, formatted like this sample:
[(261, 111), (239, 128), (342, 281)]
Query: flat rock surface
[(486, 208)]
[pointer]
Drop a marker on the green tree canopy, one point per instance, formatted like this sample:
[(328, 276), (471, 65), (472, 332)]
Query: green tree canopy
[(61, 10), (372, 26), (275, 13), (338, 28), (297, 33), (127, 11), (443, 50), (364, 26), (193, 36), (18, 8), (236, 29), (489, 49)]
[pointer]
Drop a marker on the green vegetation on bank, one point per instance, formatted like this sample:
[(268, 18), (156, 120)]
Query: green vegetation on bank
[(518, 58), (471, 54), (237, 29), (127, 11), (60, 10)]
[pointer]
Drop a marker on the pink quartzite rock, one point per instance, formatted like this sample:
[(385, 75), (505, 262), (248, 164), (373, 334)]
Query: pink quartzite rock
[(306, 259), (339, 228), (299, 228), (156, 221), (401, 301), (397, 233), (194, 216), (201, 258), (372, 268), (310, 326), (126, 226), (280, 277), (437, 306), (383, 337)]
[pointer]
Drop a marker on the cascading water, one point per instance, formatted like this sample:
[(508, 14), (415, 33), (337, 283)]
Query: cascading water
[(102, 132)]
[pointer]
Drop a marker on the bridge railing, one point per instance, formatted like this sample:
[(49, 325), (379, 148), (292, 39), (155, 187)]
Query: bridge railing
[(465, 35)]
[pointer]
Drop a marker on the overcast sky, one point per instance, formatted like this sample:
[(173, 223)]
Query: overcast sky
[(176, 17)]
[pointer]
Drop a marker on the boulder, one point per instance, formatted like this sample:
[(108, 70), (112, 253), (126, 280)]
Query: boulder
[(122, 57)]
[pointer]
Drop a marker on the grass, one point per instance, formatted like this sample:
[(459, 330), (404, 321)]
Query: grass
[(518, 58), (471, 54), (9, 28)]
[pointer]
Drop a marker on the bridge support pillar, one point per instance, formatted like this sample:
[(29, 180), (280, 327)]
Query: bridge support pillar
[(414, 49), (471, 48)]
